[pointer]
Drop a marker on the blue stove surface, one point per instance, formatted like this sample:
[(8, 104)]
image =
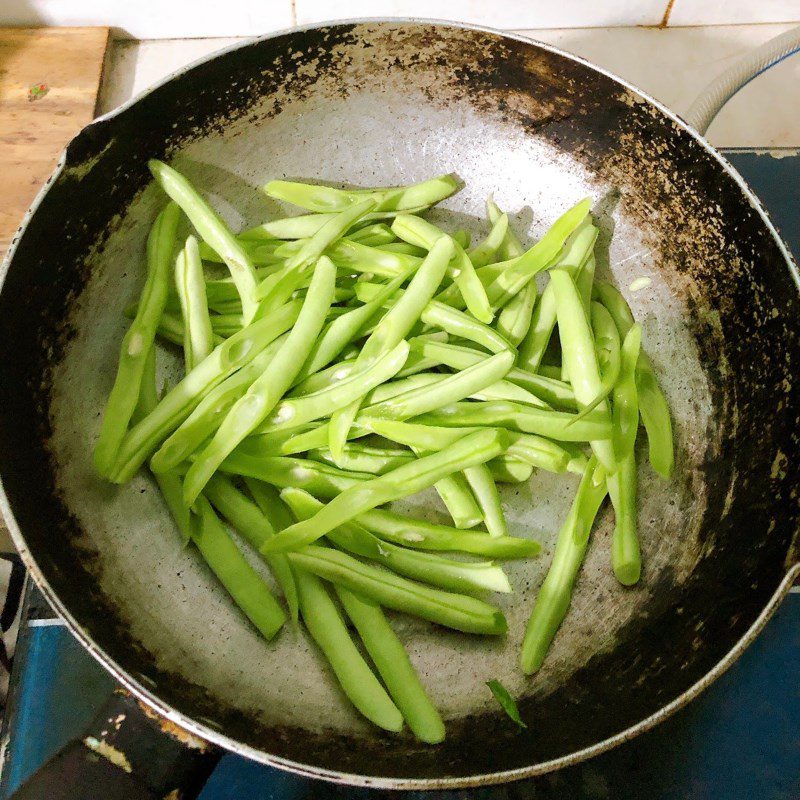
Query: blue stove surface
[(740, 739)]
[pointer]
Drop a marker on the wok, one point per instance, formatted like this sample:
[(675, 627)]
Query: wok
[(383, 103)]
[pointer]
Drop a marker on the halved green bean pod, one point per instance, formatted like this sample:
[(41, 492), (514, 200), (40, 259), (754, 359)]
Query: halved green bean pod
[(423, 234), (242, 582), (483, 487), (249, 411), (556, 425), (514, 320), (459, 500), (510, 246), (457, 611), (457, 323), (191, 287), (436, 570), (625, 413), (487, 250), (506, 469), (475, 449), (393, 664), (363, 458), (625, 554), (326, 198), (212, 230), (652, 403), (252, 523), (137, 342), (552, 602)]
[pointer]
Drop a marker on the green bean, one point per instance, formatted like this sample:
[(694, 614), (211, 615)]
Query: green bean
[(318, 479), (213, 230), (580, 357), (137, 342), (242, 582), (543, 321), (556, 425), (457, 611), (278, 287), (336, 335), (296, 411), (652, 403), (210, 411), (483, 487), (487, 250), (554, 597), (549, 391), (317, 381), (607, 348), (408, 479), (325, 198), (444, 573), (423, 234), (393, 664), (252, 523), (625, 413), (360, 258), (397, 387), (416, 361), (505, 469), (148, 393), (392, 328), (372, 235), (457, 323), (306, 225), (362, 458), (191, 286), (405, 248), (250, 410), (625, 556), (459, 501), (325, 624), (543, 253), (462, 238), (424, 535), (515, 318), (510, 246)]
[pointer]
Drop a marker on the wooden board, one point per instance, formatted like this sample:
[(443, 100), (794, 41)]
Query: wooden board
[(49, 81)]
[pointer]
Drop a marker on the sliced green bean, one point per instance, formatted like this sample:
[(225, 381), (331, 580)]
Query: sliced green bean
[(424, 535), (625, 413), (652, 403), (580, 357), (483, 487), (549, 391), (393, 327), (554, 597), (326, 199), (242, 582), (327, 628), (423, 234), (515, 318), (340, 332), (251, 522), (511, 281), (375, 234), (556, 425), (543, 321), (408, 479), (362, 458), (393, 664), (459, 501), (511, 246), (360, 258), (457, 611), (486, 251), (320, 480), (191, 286), (462, 325), (625, 555), (296, 411), (210, 411), (505, 469), (462, 238), (137, 342), (436, 570), (212, 230), (249, 411)]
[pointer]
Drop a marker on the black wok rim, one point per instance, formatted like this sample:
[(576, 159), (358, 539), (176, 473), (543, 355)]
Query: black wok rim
[(356, 779)]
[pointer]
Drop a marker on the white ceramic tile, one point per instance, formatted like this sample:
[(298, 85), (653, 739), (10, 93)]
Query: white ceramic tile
[(733, 12), (506, 14), (155, 19), (674, 65)]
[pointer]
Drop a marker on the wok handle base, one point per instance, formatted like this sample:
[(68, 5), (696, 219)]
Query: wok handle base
[(128, 752)]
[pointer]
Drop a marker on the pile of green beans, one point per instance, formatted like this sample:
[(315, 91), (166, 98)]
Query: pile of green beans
[(356, 354)]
